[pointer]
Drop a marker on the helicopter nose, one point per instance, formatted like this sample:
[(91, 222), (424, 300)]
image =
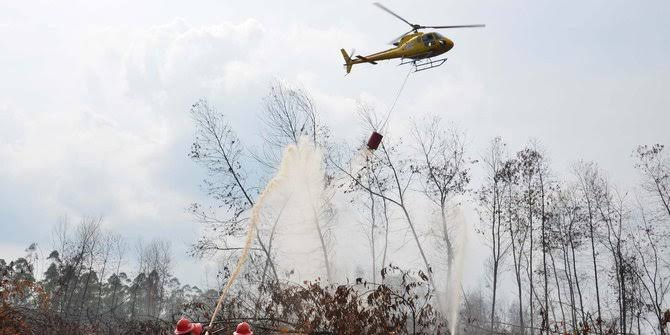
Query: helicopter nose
[(448, 44)]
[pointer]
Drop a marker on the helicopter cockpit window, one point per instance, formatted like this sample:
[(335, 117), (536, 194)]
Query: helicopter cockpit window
[(428, 39)]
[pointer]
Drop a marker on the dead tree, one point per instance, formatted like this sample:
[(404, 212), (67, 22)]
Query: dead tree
[(491, 202), (400, 174), (568, 217), (377, 177), (290, 114), (655, 169), (529, 169), (612, 212), (654, 282), (545, 187), (515, 226), (587, 174), (445, 172), (219, 150), (155, 260)]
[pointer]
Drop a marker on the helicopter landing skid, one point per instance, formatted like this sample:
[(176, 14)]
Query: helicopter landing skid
[(425, 64)]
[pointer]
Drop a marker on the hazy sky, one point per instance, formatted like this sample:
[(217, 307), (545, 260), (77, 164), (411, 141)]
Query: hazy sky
[(94, 94)]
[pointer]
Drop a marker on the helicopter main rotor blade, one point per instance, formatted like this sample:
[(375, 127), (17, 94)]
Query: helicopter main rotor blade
[(382, 7), (459, 26)]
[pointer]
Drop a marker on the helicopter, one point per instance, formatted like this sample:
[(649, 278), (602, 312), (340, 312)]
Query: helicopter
[(413, 47)]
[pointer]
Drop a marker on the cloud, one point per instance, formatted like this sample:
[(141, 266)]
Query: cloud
[(180, 59), (114, 139)]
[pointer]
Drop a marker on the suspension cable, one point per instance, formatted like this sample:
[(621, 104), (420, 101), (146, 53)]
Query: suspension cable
[(402, 87)]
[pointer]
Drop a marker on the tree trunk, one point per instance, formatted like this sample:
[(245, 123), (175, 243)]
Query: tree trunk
[(568, 276), (576, 275), (544, 255), (530, 262), (595, 264), (386, 233), (517, 260), (558, 289), (595, 275), (495, 250), (372, 236), (401, 203), (324, 248)]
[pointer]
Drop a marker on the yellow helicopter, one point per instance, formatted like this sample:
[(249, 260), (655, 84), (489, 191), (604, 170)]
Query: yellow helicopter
[(413, 47)]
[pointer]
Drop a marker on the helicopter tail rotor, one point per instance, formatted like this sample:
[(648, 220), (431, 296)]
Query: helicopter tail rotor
[(348, 63)]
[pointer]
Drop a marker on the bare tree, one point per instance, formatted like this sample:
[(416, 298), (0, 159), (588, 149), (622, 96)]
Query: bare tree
[(528, 160), (155, 260), (491, 201), (588, 174), (510, 176), (610, 206), (568, 216), (445, 171), (655, 284), (106, 249), (376, 178), (545, 187), (655, 169), (219, 150), (119, 247), (369, 206), (79, 255), (400, 175), (290, 114)]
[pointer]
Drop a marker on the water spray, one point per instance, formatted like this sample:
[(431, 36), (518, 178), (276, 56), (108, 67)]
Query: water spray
[(295, 156), (456, 274), (251, 230)]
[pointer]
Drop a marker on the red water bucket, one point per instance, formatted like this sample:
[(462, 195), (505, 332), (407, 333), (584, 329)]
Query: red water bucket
[(375, 139)]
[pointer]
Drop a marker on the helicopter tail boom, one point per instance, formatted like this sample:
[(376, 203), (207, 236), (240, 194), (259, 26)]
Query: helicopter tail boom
[(365, 59), (348, 63)]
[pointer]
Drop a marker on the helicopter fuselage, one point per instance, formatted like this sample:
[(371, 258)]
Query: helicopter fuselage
[(414, 46)]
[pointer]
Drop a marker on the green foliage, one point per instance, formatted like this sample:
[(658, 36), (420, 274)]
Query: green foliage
[(69, 300)]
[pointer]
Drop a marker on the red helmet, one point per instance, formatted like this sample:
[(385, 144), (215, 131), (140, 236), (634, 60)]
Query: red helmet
[(243, 329), (185, 326)]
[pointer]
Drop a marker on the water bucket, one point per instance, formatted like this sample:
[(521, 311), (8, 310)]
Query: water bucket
[(375, 140)]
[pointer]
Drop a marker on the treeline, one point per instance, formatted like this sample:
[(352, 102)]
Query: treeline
[(84, 289), (585, 256), (72, 297)]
